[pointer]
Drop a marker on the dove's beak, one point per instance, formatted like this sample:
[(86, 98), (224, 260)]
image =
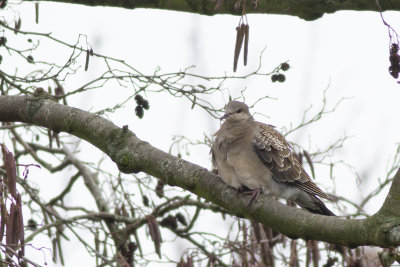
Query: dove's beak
[(226, 115)]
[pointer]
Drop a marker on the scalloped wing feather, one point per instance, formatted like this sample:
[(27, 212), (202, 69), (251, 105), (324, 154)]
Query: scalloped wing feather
[(277, 154)]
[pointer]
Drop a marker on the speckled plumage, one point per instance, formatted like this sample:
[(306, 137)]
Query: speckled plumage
[(253, 154)]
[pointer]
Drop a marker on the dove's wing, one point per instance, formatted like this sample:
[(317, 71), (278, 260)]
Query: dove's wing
[(277, 154)]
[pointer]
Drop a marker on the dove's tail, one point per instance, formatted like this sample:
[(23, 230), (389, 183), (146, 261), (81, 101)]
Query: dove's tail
[(314, 205)]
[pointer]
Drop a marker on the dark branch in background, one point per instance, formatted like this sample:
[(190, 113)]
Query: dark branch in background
[(306, 9)]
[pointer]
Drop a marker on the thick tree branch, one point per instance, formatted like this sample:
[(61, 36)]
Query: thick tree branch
[(305, 9), (133, 155), (388, 207)]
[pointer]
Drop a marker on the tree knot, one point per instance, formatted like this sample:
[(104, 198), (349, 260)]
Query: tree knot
[(391, 230), (126, 163)]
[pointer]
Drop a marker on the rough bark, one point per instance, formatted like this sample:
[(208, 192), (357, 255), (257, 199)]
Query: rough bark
[(133, 155), (305, 9)]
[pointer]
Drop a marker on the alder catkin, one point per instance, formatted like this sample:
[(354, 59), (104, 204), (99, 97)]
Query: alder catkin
[(238, 45), (87, 59), (246, 43), (37, 13)]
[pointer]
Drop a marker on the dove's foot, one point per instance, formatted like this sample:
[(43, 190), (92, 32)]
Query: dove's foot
[(253, 192)]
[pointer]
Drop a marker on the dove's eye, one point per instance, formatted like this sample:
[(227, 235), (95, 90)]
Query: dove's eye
[(238, 111)]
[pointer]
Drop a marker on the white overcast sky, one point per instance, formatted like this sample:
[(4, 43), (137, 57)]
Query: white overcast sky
[(347, 51)]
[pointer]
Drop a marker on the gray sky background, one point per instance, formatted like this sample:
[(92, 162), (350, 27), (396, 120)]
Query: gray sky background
[(345, 51)]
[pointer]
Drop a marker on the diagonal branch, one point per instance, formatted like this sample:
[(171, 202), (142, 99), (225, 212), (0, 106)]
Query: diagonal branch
[(133, 155)]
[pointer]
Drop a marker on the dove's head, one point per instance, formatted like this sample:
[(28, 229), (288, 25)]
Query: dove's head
[(236, 111)]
